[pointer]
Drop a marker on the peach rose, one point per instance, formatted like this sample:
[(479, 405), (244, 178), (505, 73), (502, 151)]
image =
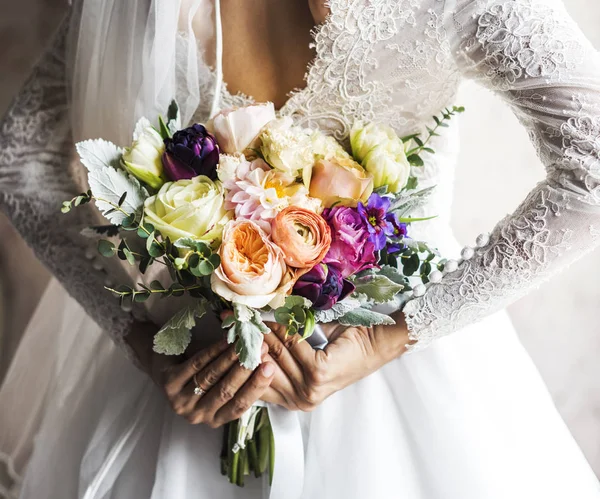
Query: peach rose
[(252, 267), (303, 236), (340, 181)]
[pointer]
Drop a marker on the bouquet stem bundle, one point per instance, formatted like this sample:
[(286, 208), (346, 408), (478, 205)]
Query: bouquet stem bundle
[(257, 456)]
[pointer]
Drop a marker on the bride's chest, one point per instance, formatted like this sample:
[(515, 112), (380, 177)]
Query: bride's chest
[(376, 60)]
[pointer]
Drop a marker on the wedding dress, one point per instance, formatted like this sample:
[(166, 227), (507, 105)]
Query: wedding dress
[(463, 416)]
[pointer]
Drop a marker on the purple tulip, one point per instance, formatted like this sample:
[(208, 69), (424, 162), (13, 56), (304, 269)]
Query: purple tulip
[(324, 286), (351, 250), (191, 152)]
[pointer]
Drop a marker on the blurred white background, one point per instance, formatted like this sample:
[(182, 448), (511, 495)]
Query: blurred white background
[(558, 323)]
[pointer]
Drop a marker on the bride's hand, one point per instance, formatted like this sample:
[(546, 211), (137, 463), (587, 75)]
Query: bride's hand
[(305, 377), (229, 389)]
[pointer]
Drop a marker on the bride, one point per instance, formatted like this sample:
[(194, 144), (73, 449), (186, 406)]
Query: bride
[(462, 414)]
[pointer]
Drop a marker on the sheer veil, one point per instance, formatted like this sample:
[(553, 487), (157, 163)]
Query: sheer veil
[(125, 59), (129, 58)]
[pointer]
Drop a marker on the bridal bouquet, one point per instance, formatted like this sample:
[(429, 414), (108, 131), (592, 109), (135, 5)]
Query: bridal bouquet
[(254, 214)]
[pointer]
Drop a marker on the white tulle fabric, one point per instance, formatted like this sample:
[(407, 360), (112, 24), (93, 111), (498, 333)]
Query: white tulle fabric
[(468, 417)]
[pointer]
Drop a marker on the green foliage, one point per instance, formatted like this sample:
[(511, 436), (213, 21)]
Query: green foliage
[(175, 336), (296, 315), (106, 248), (98, 154), (338, 310), (414, 154), (366, 318), (79, 200), (197, 257), (111, 187), (378, 287), (246, 330)]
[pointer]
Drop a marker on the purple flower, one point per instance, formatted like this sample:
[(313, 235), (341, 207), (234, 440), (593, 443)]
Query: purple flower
[(191, 152), (351, 250), (379, 222), (400, 232), (324, 286)]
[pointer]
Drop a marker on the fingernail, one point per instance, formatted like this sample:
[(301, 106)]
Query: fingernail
[(264, 349), (268, 369)]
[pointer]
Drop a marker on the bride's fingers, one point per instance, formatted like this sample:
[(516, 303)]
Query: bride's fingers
[(300, 350), (247, 395), (285, 360), (272, 396), (225, 390), (181, 374)]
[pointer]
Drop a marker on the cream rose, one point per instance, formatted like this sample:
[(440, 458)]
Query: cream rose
[(237, 129), (252, 267), (340, 181), (287, 148), (144, 158), (189, 208)]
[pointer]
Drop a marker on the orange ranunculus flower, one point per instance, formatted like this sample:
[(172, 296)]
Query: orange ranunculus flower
[(340, 181), (303, 236), (252, 268)]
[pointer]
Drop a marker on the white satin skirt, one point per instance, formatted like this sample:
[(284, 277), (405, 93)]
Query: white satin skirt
[(468, 418)]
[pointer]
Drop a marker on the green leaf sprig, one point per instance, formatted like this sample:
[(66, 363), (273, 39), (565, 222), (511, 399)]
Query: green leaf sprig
[(297, 317)]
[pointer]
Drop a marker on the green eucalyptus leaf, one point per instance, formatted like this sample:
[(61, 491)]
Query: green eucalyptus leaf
[(415, 160), (215, 260), (106, 248), (297, 301), (283, 316), (205, 267)]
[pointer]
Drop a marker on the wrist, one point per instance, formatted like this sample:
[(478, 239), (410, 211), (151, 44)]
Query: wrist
[(398, 336)]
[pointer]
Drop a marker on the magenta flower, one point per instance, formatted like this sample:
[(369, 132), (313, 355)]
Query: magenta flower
[(191, 152), (324, 286), (351, 250)]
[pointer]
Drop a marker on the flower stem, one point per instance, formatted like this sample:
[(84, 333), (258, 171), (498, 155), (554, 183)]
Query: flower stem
[(253, 455), (233, 456), (263, 449)]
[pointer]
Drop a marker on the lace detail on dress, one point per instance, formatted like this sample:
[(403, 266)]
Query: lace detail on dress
[(533, 56), (374, 62), (35, 178)]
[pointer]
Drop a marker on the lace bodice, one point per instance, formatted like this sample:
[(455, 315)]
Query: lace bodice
[(398, 62)]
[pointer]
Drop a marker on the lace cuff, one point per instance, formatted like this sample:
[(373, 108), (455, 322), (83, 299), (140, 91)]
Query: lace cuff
[(533, 55)]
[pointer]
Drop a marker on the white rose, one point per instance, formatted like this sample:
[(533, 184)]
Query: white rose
[(144, 158), (287, 148), (227, 169), (237, 129), (389, 166), (189, 208), (364, 139)]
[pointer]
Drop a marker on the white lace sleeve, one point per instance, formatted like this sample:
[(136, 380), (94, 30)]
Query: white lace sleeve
[(533, 55), (35, 177)]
